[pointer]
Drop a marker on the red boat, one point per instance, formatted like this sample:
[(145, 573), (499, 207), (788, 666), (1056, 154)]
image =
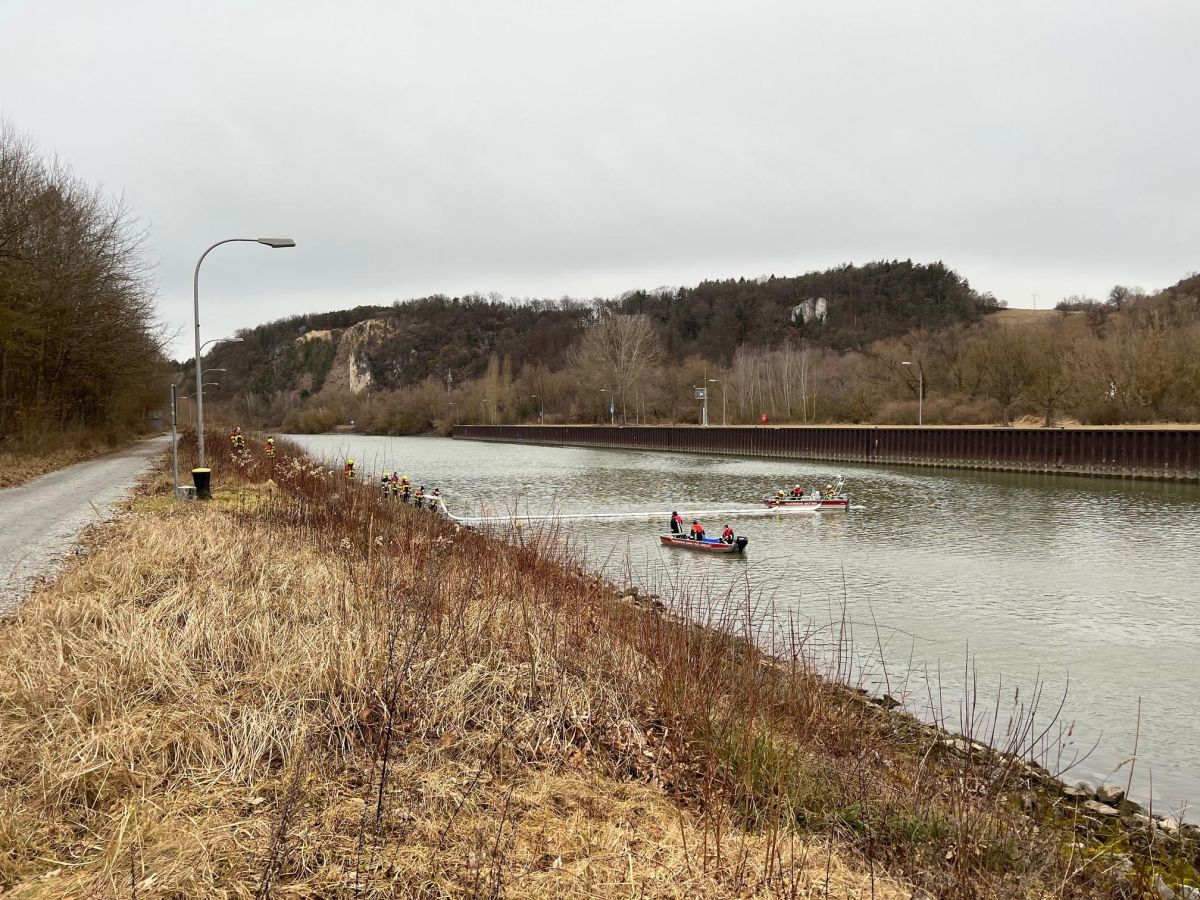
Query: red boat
[(831, 498), (706, 545)]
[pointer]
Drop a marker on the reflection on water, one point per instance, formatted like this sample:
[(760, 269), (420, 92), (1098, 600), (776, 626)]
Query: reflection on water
[(1030, 576)]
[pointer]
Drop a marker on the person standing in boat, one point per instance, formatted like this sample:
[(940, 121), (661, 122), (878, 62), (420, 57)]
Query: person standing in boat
[(727, 535), (676, 523), (697, 532)]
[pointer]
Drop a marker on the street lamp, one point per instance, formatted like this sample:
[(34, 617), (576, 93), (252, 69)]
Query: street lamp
[(486, 410), (275, 243), (612, 404), (222, 341), (541, 408), (722, 384), (920, 393)]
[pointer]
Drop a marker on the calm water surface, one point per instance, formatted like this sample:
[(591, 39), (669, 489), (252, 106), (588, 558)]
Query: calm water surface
[(1089, 587)]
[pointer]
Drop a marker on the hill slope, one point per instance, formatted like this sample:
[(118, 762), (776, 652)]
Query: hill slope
[(453, 339)]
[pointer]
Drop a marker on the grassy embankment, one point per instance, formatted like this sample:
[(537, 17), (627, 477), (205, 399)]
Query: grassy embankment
[(25, 459), (300, 690)]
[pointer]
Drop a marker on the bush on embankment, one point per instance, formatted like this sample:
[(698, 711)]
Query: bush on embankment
[(306, 690)]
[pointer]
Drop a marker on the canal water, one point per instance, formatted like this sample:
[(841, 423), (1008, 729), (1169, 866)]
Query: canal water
[(946, 589)]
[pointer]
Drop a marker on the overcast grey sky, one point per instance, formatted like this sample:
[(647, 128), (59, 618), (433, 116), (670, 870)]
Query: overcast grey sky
[(550, 148)]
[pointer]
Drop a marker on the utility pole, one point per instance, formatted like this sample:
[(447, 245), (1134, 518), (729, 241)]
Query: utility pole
[(174, 442), (721, 382)]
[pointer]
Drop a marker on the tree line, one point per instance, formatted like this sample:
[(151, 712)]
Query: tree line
[(80, 347), (1133, 361), (452, 341)]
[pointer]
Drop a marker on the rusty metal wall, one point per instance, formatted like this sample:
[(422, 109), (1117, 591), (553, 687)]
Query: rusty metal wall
[(1172, 454)]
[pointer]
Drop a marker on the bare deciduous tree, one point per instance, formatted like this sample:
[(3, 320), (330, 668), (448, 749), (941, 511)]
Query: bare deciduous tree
[(616, 354)]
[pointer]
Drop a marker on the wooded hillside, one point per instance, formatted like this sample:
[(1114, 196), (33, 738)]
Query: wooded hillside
[(79, 344), (888, 342)]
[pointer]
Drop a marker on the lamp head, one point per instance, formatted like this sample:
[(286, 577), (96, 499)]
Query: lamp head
[(277, 243)]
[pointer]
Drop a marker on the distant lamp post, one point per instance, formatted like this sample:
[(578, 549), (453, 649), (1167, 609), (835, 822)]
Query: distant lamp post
[(541, 408), (275, 243), (722, 384), (920, 393), (453, 413), (612, 405), (486, 411)]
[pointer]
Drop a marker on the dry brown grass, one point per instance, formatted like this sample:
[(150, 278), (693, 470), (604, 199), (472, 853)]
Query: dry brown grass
[(207, 674), (304, 691), (24, 463)]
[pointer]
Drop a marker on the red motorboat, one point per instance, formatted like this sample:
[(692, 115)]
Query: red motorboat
[(832, 498), (705, 545)]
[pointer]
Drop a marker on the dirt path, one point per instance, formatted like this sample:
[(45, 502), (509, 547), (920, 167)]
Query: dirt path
[(41, 519)]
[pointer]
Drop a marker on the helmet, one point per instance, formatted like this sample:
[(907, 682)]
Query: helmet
[(349, 462)]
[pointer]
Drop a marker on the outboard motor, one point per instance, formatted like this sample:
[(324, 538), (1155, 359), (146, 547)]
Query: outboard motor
[(741, 543)]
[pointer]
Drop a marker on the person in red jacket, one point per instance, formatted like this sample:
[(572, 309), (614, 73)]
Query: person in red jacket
[(727, 535), (676, 523), (697, 533)]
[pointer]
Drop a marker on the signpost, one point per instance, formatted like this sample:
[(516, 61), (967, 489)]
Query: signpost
[(702, 394)]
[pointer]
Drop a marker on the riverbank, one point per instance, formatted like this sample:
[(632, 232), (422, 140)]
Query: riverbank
[(1142, 453), (329, 695)]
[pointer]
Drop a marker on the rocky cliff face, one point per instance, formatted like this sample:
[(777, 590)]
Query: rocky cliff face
[(350, 372)]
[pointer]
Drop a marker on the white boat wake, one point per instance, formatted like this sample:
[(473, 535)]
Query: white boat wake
[(745, 512)]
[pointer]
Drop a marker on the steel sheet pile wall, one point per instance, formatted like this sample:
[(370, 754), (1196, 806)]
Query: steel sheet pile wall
[(1124, 453)]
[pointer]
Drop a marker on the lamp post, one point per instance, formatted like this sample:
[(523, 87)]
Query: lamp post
[(541, 408), (485, 409), (722, 384), (275, 243), (453, 413), (612, 405), (222, 341), (920, 393)]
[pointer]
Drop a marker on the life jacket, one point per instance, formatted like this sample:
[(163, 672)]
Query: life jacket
[(727, 533)]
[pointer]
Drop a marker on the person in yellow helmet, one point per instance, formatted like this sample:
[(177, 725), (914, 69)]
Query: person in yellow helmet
[(348, 469), (269, 446)]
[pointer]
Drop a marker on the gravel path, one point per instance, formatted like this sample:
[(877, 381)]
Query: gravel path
[(41, 519)]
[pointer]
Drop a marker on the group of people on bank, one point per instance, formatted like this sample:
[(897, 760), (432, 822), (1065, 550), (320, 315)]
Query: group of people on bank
[(398, 487), (237, 442), (697, 533)]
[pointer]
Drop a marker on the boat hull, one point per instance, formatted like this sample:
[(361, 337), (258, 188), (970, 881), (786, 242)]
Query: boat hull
[(709, 545), (833, 503)]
